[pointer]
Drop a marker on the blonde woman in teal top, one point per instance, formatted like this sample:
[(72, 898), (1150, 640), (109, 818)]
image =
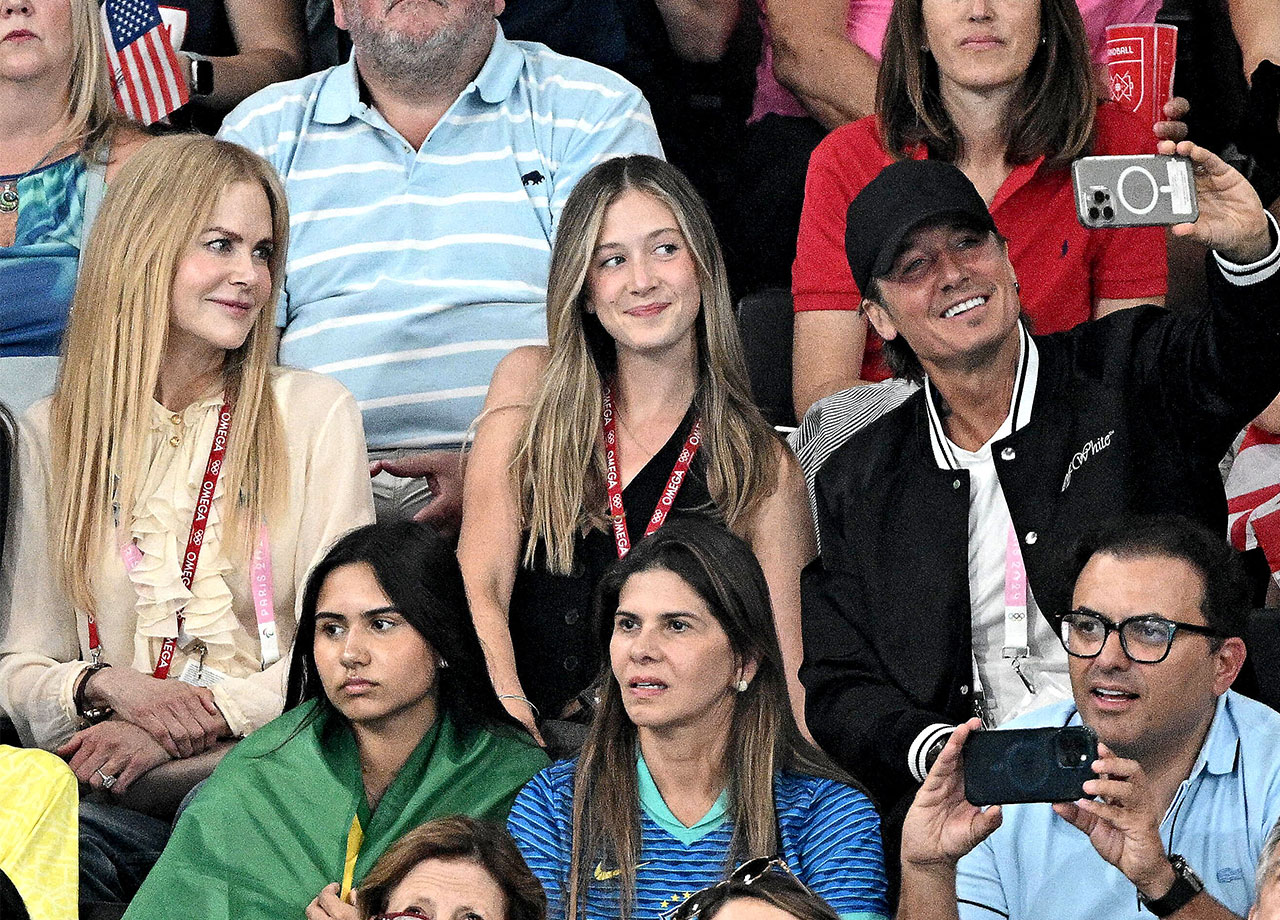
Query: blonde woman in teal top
[(62, 142)]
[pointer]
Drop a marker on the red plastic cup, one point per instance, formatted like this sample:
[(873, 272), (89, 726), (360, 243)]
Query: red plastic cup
[(1140, 61)]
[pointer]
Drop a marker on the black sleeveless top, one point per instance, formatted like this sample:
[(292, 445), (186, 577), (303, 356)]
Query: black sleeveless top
[(551, 616)]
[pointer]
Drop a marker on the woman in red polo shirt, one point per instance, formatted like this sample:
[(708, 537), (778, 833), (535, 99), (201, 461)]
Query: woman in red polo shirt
[(1003, 89)]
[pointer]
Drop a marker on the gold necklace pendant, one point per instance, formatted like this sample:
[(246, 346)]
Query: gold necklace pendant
[(8, 198)]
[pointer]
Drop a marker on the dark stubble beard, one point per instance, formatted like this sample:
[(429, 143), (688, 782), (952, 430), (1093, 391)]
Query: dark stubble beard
[(418, 67)]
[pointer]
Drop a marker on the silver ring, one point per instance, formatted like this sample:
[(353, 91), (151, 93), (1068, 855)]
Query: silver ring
[(107, 779)]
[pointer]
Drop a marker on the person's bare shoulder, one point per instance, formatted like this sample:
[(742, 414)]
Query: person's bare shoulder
[(518, 375)]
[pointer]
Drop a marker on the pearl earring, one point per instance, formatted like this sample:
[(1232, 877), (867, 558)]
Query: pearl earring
[(742, 685)]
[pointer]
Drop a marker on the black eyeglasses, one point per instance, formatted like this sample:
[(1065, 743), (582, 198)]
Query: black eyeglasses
[(1145, 639), (745, 874)]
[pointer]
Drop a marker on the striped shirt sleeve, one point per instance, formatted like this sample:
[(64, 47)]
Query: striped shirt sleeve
[(841, 856), (538, 824)]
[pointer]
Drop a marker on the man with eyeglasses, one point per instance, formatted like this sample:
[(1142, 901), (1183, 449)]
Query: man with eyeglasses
[(944, 523), (1188, 774)]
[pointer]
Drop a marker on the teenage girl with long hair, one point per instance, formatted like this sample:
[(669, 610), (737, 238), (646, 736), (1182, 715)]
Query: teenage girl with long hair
[(638, 407)]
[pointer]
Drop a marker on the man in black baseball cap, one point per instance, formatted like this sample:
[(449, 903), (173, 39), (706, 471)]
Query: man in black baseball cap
[(917, 213), (944, 523)]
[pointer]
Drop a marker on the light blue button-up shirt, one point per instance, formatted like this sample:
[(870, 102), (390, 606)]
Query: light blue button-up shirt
[(412, 272), (1037, 866)]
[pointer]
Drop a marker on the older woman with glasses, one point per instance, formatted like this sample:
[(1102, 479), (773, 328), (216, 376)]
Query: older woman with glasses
[(453, 867)]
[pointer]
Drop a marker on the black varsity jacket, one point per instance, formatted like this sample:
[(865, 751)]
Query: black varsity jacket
[(1132, 412)]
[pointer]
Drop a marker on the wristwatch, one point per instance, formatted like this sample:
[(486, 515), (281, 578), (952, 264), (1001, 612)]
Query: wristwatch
[(200, 75), (1186, 885)]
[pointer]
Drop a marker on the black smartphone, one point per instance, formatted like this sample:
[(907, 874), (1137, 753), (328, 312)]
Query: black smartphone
[(1143, 190), (1007, 766)]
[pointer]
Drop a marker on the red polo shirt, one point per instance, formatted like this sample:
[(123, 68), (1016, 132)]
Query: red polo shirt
[(1061, 265)]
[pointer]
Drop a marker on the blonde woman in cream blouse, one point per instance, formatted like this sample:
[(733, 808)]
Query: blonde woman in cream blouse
[(169, 360)]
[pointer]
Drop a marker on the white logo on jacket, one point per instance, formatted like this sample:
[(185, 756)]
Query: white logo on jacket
[(1097, 445)]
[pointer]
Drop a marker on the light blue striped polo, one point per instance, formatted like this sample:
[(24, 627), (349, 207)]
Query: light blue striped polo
[(410, 274)]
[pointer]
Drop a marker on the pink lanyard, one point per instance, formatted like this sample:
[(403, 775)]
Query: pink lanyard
[(1016, 628), (613, 482)]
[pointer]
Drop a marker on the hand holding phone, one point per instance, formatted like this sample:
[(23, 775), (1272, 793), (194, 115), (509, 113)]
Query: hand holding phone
[(1008, 766)]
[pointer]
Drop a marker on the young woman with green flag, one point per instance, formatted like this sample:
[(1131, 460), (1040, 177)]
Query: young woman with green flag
[(390, 721)]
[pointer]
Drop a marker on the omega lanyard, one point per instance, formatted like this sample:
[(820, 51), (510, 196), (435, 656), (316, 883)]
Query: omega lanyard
[(622, 539), (263, 599)]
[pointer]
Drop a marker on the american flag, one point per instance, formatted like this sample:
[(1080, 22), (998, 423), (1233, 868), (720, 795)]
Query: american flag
[(146, 78), (1253, 496)]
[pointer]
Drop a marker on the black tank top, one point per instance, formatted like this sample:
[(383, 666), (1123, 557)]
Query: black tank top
[(553, 628)]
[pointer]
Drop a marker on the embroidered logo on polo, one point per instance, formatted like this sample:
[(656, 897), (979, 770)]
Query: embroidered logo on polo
[(607, 875), (533, 178), (1090, 449)]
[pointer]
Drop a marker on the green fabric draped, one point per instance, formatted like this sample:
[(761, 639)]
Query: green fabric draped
[(269, 829)]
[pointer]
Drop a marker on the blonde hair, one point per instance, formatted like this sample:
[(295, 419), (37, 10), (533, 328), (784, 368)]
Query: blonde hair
[(559, 464), (92, 114), (161, 199)]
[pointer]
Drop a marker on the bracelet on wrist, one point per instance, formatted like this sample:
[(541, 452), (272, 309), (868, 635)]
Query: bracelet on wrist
[(97, 713), (524, 699)]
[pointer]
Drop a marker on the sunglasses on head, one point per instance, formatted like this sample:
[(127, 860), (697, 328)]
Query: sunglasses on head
[(745, 874)]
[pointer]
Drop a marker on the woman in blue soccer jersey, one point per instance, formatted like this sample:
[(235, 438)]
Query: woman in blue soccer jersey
[(695, 698)]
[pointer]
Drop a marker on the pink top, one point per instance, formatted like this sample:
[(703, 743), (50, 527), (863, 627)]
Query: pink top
[(1098, 14), (865, 26)]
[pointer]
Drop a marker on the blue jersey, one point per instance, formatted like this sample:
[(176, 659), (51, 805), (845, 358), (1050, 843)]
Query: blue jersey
[(830, 840)]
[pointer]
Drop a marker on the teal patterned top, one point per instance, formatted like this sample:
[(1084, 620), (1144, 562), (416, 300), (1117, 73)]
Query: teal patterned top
[(38, 272)]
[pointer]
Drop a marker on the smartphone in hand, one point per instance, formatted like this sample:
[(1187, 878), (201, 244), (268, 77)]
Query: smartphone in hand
[(1143, 190), (1006, 766)]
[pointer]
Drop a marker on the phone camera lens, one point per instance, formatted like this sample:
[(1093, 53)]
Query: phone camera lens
[(1093, 213), (1099, 196), (1108, 213), (1072, 749)]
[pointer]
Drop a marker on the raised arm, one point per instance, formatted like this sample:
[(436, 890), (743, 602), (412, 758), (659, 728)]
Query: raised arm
[(940, 827), (489, 545), (814, 58)]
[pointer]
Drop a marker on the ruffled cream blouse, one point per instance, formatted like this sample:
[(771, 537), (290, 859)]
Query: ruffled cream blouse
[(45, 643)]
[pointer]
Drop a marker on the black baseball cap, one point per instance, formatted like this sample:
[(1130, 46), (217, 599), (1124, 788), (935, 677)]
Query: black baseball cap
[(903, 196)]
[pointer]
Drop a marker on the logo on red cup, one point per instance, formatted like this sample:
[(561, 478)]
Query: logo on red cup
[(1140, 61)]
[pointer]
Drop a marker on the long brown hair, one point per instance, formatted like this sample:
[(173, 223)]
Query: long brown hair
[(763, 738), (116, 338), (559, 464), (1052, 113)]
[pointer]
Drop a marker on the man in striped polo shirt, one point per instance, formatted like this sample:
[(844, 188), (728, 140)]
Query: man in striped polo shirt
[(425, 177)]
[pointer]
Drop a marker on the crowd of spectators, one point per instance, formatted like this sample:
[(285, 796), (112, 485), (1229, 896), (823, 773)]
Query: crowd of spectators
[(389, 525)]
